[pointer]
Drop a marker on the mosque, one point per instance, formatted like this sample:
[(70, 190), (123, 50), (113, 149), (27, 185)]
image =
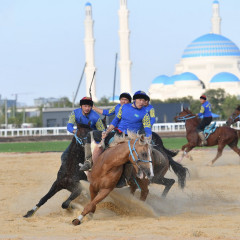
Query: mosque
[(211, 61)]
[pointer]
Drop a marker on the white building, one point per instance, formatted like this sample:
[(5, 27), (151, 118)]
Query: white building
[(209, 62)]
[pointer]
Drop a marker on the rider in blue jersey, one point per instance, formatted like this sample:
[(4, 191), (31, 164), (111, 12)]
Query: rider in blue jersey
[(206, 112), (130, 117), (124, 99), (84, 115), (150, 111)]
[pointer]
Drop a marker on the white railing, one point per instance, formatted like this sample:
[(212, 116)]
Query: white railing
[(33, 131), (157, 127)]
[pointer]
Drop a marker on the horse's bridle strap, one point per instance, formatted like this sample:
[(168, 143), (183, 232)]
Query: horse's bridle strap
[(133, 149), (184, 117)]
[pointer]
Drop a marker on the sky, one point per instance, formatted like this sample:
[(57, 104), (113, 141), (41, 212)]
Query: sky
[(42, 50)]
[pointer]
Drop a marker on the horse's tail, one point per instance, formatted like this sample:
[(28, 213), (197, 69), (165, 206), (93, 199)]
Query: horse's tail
[(180, 171), (159, 145)]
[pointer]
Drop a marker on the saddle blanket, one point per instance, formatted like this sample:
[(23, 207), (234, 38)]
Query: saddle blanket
[(210, 129)]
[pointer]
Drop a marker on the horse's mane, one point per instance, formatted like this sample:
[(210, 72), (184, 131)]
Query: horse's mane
[(187, 111), (131, 135), (238, 108)]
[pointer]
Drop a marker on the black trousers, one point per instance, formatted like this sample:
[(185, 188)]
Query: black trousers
[(205, 122)]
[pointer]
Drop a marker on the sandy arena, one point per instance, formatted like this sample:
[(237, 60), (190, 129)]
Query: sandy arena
[(208, 208)]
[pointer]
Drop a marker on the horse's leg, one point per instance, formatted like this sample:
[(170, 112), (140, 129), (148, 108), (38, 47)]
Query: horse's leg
[(75, 192), (219, 154), (188, 148), (143, 183), (53, 190), (91, 207), (234, 148), (166, 182)]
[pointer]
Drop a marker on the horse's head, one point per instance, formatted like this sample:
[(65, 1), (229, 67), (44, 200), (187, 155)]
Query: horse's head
[(184, 115), (140, 155), (83, 129), (235, 117)]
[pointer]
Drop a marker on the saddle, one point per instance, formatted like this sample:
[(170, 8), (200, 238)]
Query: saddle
[(209, 130)]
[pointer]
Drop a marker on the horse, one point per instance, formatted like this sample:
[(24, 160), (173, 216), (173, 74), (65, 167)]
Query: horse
[(222, 136), (108, 168), (235, 117), (68, 176)]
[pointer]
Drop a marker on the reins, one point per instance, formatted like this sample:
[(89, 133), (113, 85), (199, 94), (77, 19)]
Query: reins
[(133, 149), (78, 139), (235, 117), (184, 117)]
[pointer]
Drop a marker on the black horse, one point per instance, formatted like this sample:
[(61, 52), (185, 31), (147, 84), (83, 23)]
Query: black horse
[(68, 176)]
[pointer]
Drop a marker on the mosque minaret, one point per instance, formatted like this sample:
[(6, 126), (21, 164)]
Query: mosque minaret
[(124, 62), (89, 51), (216, 19)]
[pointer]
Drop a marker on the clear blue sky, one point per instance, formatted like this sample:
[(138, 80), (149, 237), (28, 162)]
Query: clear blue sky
[(42, 49)]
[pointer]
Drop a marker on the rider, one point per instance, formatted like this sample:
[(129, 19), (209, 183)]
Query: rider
[(124, 99), (130, 117), (206, 112), (84, 115), (150, 110)]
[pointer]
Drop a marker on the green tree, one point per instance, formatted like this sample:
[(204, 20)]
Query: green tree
[(229, 104), (104, 101)]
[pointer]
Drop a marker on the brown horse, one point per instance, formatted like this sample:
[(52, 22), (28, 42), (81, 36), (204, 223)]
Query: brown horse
[(107, 170), (222, 136), (235, 117)]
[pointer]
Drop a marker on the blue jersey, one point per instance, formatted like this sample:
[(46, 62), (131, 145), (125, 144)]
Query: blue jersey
[(132, 119), (93, 119), (113, 110), (150, 110), (205, 110)]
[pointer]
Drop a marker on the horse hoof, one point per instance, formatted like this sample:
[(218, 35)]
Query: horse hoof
[(76, 222), (29, 214)]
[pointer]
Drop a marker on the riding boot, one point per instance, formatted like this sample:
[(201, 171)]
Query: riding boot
[(202, 137), (88, 158)]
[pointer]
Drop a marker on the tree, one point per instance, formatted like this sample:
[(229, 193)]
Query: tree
[(229, 104), (104, 102)]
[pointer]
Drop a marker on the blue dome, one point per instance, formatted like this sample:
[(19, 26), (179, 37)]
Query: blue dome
[(224, 77), (186, 76), (215, 2), (88, 4), (160, 79), (211, 45)]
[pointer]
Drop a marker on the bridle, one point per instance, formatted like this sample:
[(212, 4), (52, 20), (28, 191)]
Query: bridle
[(235, 117), (184, 117), (133, 149), (79, 140)]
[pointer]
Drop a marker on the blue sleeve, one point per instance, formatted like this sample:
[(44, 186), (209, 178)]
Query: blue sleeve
[(70, 127), (71, 122), (153, 120), (109, 112), (147, 125), (117, 119)]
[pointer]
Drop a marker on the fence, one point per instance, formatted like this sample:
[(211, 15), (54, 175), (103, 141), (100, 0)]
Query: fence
[(50, 131)]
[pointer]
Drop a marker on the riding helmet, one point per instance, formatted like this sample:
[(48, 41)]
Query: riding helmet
[(203, 97), (141, 94), (126, 95), (86, 101)]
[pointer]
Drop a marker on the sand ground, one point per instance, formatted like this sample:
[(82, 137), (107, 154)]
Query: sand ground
[(208, 208)]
